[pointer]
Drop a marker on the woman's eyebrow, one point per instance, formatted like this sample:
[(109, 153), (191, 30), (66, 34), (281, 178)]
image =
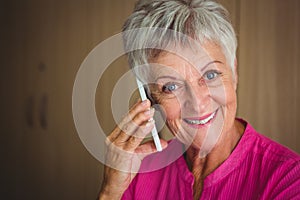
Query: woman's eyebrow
[(166, 76), (174, 78), (205, 66)]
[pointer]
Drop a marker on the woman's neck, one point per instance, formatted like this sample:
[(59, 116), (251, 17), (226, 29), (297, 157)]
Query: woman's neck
[(202, 167)]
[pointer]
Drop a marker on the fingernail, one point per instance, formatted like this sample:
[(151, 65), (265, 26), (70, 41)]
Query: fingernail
[(151, 119), (149, 111), (145, 102), (150, 122)]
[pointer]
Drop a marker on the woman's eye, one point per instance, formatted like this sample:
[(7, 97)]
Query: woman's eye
[(170, 87), (211, 75)]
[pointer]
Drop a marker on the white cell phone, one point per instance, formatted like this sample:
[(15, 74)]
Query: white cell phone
[(154, 130)]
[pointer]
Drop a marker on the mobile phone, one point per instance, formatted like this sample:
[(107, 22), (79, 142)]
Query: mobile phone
[(154, 130)]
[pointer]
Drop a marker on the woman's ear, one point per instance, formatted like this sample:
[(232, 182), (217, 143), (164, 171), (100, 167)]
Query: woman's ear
[(236, 76)]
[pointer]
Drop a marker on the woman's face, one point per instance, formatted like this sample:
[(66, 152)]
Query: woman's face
[(197, 94)]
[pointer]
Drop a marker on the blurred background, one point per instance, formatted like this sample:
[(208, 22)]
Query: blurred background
[(43, 43)]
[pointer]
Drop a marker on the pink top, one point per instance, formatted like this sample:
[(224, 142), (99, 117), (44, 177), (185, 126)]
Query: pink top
[(258, 168)]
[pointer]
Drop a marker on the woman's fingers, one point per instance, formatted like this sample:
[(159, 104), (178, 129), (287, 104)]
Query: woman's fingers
[(124, 149), (148, 148), (138, 116), (137, 108), (122, 155), (135, 139), (129, 142), (140, 121)]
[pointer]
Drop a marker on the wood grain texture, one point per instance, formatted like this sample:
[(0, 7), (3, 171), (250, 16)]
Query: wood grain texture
[(50, 163), (268, 68)]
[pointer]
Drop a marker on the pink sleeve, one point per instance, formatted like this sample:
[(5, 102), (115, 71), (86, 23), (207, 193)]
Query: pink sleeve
[(128, 194)]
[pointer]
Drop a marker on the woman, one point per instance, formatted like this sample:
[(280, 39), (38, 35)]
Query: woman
[(184, 50)]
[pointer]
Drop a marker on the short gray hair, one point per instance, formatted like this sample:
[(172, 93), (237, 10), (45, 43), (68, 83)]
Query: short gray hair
[(202, 20)]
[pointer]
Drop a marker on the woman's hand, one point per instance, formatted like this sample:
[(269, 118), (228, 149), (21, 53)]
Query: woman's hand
[(125, 151)]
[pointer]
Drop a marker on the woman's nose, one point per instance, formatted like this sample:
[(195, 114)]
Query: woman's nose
[(197, 96)]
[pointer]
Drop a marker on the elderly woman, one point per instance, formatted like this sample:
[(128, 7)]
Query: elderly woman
[(184, 52)]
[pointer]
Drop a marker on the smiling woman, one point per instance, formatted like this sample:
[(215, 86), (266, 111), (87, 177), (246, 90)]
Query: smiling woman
[(191, 72), (197, 98)]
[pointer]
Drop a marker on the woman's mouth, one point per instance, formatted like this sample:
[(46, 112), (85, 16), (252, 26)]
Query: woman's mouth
[(201, 120)]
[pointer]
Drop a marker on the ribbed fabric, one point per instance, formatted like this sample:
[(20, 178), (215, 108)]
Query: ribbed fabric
[(258, 168)]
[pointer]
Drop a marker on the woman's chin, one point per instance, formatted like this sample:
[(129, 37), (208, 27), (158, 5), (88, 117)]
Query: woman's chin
[(202, 137)]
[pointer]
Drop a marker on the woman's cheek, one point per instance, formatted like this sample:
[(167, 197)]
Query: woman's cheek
[(172, 110), (224, 95), (218, 95)]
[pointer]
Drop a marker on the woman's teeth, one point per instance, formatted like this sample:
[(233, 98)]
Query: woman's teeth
[(200, 122)]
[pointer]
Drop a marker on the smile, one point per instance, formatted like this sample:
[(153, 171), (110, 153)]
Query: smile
[(202, 120)]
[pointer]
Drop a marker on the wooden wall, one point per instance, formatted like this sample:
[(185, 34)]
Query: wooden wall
[(42, 46), (269, 68)]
